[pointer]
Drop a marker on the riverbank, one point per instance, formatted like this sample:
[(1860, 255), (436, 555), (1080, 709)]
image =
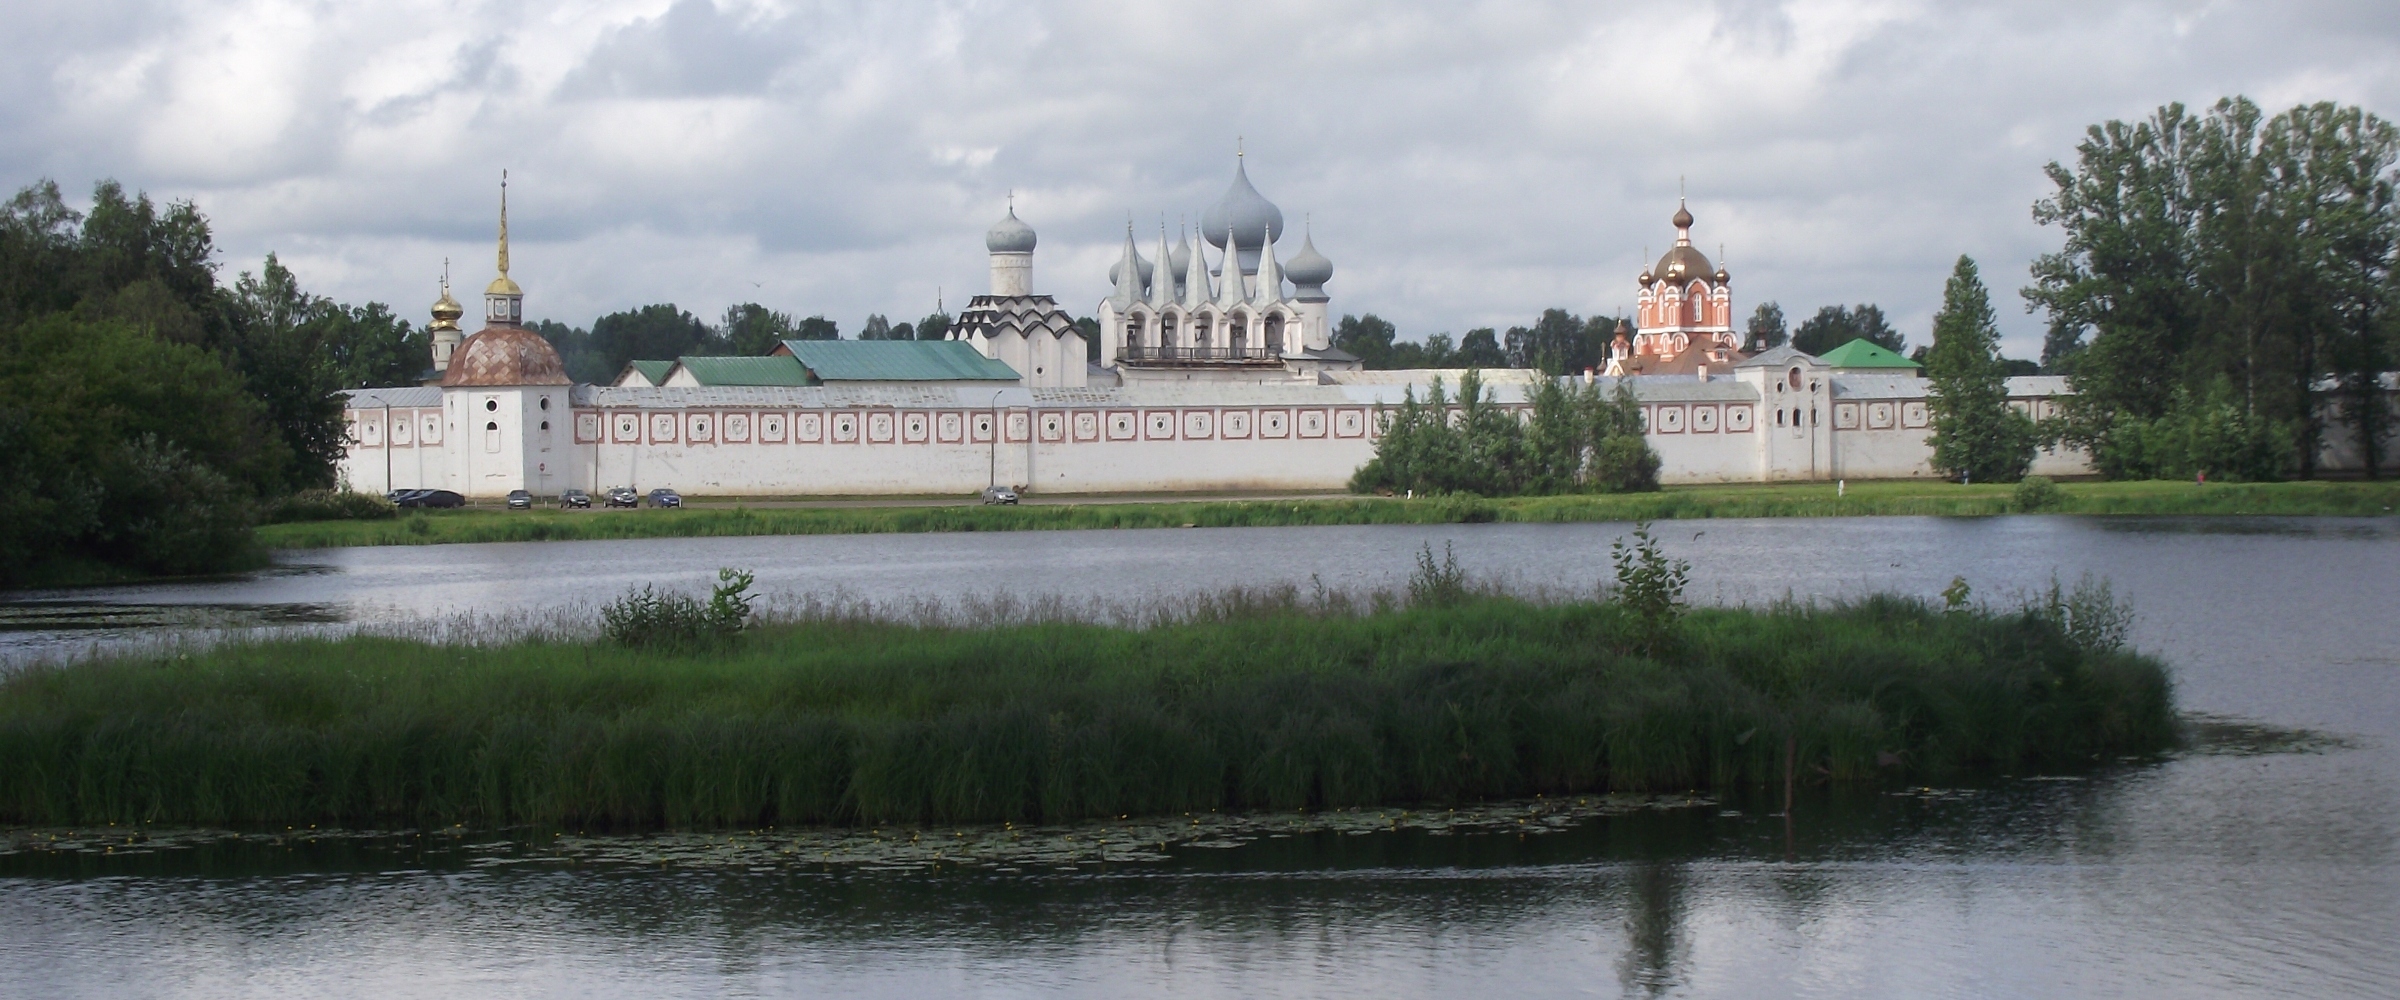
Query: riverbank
[(1889, 498), (1281, 703)]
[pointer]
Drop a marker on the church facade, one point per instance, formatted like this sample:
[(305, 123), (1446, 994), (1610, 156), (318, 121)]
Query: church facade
[(1215, 371)]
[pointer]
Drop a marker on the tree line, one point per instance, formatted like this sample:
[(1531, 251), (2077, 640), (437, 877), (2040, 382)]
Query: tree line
[(2224, 297), (147, 409)]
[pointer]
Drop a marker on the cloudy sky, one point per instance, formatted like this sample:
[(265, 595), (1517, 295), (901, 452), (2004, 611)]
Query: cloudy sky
[(1464, 164)]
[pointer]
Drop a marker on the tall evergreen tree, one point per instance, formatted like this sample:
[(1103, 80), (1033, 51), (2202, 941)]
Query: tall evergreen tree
[(1976, 435)]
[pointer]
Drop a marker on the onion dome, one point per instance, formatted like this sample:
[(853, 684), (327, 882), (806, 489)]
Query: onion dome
[(446, 310), (1251, 219), (1179, 260), (1646, 278), (1723, 277), (1148, 268), (1308, 270), (1684, 264), (1683, 217), (1009, 235), (505, 355)]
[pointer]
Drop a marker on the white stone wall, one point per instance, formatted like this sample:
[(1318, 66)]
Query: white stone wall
[(936, 440)]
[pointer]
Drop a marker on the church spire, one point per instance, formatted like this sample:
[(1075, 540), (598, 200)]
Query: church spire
[(503, 301), (1230, 290)]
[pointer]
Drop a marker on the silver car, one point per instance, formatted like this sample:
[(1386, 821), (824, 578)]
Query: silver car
[(999, 494)]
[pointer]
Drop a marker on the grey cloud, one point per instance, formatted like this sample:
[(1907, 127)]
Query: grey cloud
[(1464, 165), (693, 49)]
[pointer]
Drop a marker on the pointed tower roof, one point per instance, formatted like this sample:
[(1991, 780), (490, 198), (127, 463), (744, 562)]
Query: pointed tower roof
[(1196, 292), (1231, 289), (502, 285), (1162, 284), (1127, 274), (1270, 277)]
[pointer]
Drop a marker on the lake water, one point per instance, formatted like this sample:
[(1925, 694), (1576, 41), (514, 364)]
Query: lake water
[(2238, 871)]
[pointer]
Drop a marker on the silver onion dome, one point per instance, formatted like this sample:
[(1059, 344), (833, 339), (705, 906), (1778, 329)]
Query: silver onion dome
[(1252, 220), (1308, 269), (1009, 235)]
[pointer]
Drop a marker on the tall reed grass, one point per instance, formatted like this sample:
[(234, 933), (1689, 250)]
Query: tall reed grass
[(1285, 698)]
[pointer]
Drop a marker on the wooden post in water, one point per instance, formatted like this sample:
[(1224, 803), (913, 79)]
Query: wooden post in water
[(1791, 750)]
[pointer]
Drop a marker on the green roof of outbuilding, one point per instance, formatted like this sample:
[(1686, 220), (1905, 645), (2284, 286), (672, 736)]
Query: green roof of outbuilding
[(655, 371), (771, 370), (897, 361), (1861, 353)]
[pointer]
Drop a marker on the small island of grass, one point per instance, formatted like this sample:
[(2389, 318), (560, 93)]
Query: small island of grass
[(1279, 700)]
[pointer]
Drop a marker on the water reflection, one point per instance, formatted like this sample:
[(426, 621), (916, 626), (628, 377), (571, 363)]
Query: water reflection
[(2269, 864)]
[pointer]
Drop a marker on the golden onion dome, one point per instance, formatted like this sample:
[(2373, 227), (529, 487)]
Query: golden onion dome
[(503, 286)]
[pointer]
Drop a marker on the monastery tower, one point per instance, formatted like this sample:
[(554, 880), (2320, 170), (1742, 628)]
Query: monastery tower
[(1684, 309)]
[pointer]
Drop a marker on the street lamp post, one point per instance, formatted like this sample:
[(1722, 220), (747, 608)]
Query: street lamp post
[(995, 480)]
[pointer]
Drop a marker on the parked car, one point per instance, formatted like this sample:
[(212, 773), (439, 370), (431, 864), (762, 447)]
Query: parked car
[(577, 499), (999, 494), (400, 498), (664, 497), (520, 500), (621, 496), (436, 498)]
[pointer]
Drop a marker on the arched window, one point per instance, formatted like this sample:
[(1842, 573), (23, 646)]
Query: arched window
[(1166, 331), (1237, 334), (1275, 334), (1133, 339)]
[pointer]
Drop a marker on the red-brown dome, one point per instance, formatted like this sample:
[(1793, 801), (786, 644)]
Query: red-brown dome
[(506, 355)]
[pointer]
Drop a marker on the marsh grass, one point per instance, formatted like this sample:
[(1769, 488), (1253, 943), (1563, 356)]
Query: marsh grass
[(1921, 498), (837, 711)]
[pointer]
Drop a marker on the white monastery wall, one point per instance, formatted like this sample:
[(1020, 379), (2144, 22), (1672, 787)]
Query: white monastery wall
[(895, 439)]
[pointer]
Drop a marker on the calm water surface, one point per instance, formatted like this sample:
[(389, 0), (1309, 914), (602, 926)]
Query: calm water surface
[(2215, 874)]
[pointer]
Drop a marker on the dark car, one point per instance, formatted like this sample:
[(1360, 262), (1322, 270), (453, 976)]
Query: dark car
[(664, 497), (999, 494), (400, 498), (520, 500), (436, 498), (619, 496), (575, 498)]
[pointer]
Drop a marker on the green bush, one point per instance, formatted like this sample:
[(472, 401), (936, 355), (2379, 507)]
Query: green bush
[(331, 505), (2036, 493), (650, 618)]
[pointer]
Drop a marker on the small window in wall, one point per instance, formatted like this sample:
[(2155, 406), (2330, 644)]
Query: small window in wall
[(491, 436), (491, 404), (545, 425), (545, 405)]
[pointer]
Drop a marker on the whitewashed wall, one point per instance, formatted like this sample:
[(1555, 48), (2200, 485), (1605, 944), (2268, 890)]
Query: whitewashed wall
[(886, 440)]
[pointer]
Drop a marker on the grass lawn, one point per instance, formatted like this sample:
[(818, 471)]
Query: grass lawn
[(1898, 497)]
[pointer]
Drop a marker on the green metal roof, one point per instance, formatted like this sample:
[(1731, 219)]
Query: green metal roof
[(655, 371), (897, 361), (1862, 354), (770, 370)]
